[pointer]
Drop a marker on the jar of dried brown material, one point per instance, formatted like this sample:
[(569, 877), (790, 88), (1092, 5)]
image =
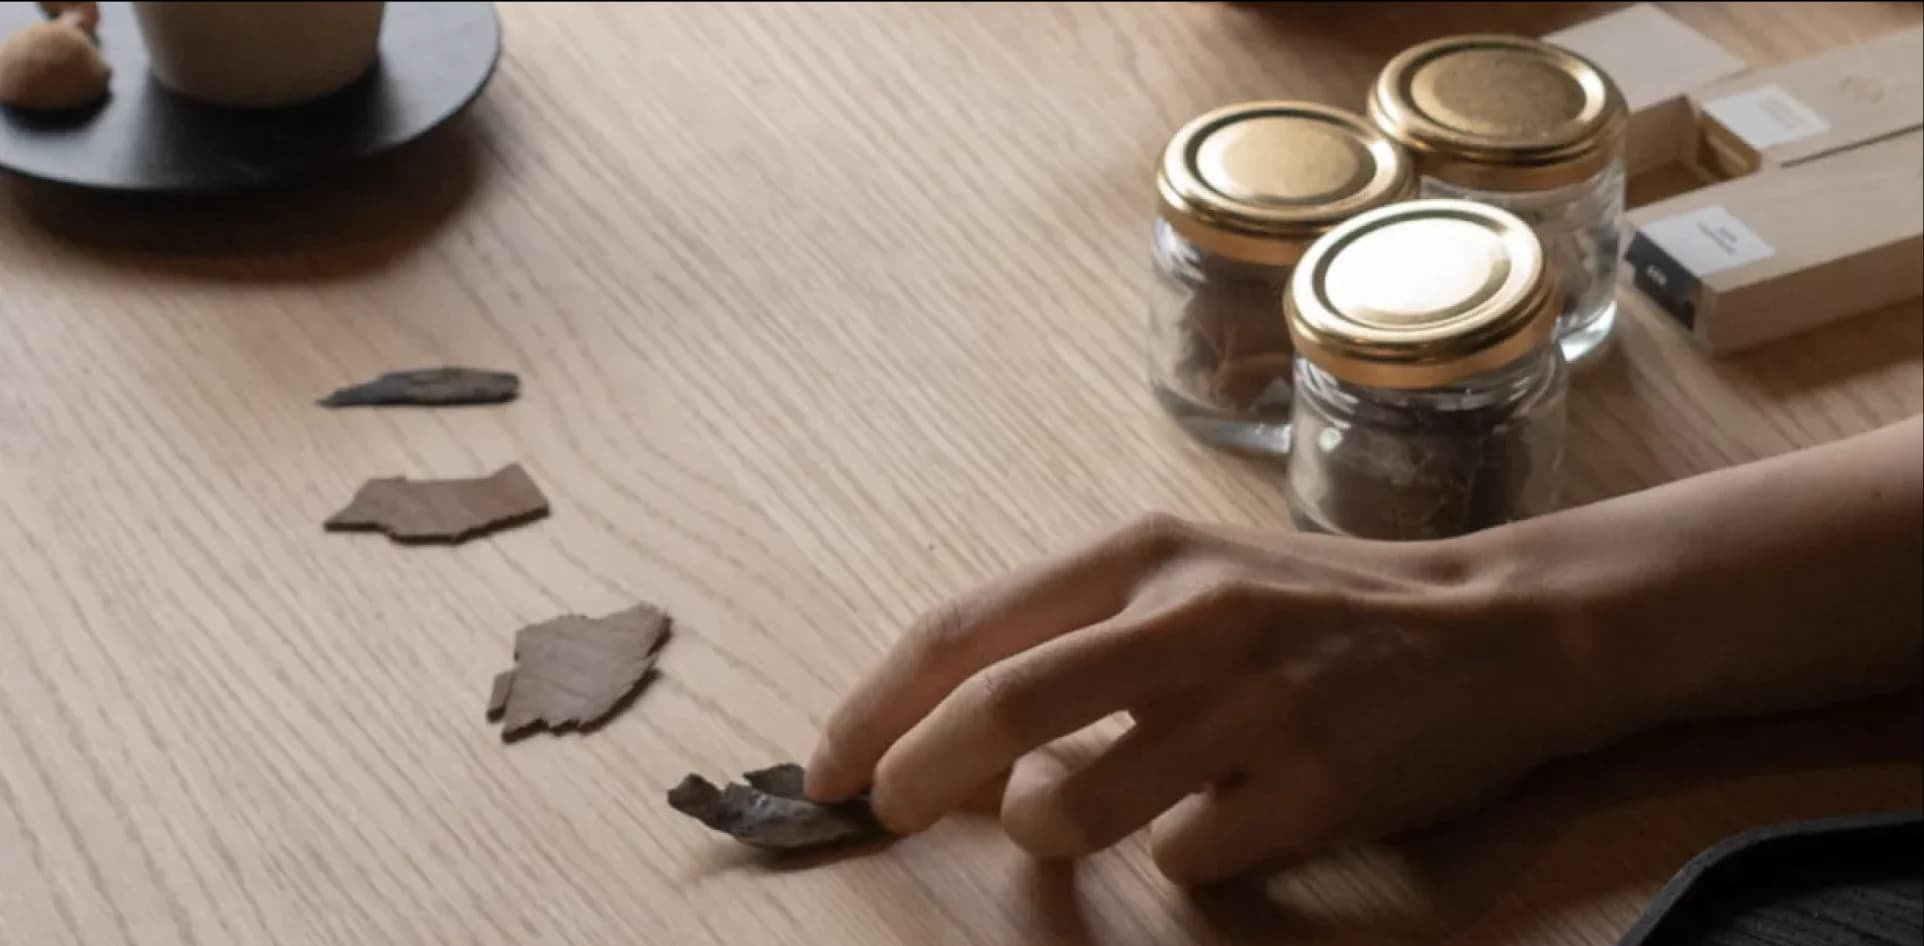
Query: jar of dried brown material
[(1530, 128), (1243, 191), (1429, 385)]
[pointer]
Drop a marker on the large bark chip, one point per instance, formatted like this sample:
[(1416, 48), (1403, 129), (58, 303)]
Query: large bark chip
[(429, 386), (771, 811), (575, 672), (447, 511)]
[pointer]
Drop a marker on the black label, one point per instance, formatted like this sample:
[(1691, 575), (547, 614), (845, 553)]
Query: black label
[(1661, 278)]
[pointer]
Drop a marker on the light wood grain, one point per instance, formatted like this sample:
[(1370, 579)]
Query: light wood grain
[(824, 313)]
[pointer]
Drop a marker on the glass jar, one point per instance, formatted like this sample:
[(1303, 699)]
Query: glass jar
[(1429, 384), (1531, 128), (1243, 190)]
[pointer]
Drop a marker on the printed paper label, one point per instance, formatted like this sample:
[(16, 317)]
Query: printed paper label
[(1707, 240), (1766, 116)]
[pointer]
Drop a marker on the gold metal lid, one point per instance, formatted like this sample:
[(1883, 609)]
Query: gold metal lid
[(1500, 112), (1421, 294), (1258, 181)]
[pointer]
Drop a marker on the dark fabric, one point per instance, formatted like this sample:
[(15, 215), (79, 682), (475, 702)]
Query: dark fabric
[(1863, 888), (1887, 913)]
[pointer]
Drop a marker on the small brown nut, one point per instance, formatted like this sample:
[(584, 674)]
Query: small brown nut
[(51, 65), (84, 15)]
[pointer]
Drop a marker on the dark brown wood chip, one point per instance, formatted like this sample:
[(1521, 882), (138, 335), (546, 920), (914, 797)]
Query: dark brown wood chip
[(498, 694), (575, 672), (784, 780), (442, 510), (771, 811), (429, 386)]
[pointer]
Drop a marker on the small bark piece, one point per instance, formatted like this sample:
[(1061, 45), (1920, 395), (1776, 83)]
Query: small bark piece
[(447, 511), (771, 811), (429, 386), (574, 671), (782, 781), (498, 694)]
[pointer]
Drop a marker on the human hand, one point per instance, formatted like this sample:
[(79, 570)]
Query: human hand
[(1287, 691)]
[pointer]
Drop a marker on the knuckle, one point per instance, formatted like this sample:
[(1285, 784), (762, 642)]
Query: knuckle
[(833, 743), (1061, 822), (1227, 592), (1007, 696), (1322, 800), (893, 798), (1322, 803), (1090, 820), (1156, 535), (1200, 625), (1046, 835), (1218, 598), (942, 632), (1174, 854)]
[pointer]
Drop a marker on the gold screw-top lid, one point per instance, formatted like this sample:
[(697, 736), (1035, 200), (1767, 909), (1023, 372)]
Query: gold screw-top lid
[(1421, 294), (1258, 181), (1502, 113)]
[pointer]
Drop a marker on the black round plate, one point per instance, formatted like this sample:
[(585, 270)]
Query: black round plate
[(435, 58)]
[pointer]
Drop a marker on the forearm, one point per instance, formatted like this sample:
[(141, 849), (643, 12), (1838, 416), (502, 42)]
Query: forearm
[(1777, 585), (1284, 687)]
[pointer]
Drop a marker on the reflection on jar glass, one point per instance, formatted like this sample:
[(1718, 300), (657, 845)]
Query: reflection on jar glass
[(1531, 128), (1429, 385), (1243, 190)]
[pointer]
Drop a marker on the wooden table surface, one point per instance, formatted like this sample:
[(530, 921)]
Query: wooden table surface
[(824, 314)]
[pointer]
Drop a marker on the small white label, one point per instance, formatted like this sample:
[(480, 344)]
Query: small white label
[(1708, 240), (1766, 116)]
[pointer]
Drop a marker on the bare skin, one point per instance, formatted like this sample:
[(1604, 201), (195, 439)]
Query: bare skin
[(1289, 691)]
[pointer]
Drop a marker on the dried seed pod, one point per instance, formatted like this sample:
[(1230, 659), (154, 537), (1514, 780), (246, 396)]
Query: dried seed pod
[(84, 15), (52, 65)]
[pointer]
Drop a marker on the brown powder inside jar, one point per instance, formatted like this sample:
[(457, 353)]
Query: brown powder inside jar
[(1236, 350), (1242, 191), (1436, 474), (1429, 396)]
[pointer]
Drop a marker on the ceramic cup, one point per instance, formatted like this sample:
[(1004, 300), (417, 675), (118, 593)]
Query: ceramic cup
[(259, 55)]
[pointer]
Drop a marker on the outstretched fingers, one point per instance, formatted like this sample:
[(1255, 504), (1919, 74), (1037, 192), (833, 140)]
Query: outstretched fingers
[(956, 642)]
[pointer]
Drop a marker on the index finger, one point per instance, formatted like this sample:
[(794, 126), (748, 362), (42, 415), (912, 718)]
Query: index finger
[(952, 643)]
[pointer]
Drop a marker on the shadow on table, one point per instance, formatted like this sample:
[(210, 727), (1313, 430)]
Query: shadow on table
[(727, 856), (336, 224), (1593, 836), (979, 811), (1655, 410), (1055, 904), (1382, 30), (1620, 423), (1504, 871), (1344, 45), (1831, 355)]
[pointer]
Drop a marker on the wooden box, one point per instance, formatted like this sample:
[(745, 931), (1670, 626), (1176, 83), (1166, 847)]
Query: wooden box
[(1655, 60), (1805, 110), (1785, 250)]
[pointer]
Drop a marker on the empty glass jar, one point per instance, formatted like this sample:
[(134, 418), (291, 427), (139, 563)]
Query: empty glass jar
[(1243, 190), (1429, 385), (1531, 128)]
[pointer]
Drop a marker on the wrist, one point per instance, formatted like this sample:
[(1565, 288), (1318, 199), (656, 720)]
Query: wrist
[(1554, 598)]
